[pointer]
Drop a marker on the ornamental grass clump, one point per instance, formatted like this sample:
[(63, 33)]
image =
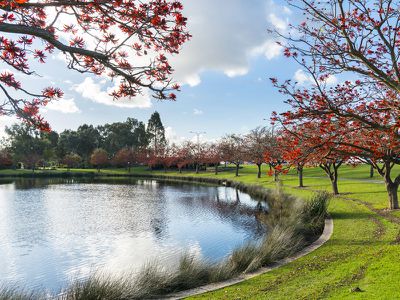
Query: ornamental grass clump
[(7, 293), (315, 211)]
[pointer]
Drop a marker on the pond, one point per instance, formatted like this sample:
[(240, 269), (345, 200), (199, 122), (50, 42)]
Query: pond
[(53, 231)]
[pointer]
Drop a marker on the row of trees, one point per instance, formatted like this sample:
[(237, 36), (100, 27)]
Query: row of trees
[(234, 148), (131, 143), (26, 145), (357, 119)]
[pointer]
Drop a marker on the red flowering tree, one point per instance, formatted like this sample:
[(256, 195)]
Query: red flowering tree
[(256, 143), (167, 156), (184, 155), (31, 161), (233, 150), (125, 157), (199, 154), (347, 121), (97, 37), (5, 159), (296, 152), (319, 142), (99, 158), (72, 160), (360, 38), (274, 157), (212, 155), (150, 159)]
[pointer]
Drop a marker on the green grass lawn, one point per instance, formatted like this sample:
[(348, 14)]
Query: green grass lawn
[(362, 253)]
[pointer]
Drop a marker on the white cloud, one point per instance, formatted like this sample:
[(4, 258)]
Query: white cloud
[(66, 106), (226, 37), (270, 49), (331, 80), (60, 56), (302, 78), (93, 91), (278, 22), (172, 136), (287, 10), (236, 72), (6, 121), (198, 112)]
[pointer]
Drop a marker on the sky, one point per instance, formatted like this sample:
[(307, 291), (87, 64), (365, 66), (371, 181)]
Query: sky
[(224, 71)]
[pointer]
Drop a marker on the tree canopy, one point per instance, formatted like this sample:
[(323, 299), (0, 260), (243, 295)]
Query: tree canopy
[(128, 41)]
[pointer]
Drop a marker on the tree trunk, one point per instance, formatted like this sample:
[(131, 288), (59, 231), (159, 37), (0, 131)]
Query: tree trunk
[(392, 189), (331, 169), (275, 176), (237, 170), (180, 170), (197, 168), (216, 169), (335, 188), (259, 171), (371, 172), (300, 174)]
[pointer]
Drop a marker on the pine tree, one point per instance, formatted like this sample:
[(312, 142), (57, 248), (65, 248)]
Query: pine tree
[(156, 132)]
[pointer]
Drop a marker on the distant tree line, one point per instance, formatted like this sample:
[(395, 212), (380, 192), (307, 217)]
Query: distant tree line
[(128, 144), (25, 146)]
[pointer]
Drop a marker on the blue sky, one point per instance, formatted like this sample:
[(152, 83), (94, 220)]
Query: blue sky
[(224, 70)]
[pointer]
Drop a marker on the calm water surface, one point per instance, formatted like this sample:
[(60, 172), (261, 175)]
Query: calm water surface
[(55, 231)]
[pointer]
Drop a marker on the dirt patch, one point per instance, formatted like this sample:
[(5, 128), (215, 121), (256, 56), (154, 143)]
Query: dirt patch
[(380, 228)]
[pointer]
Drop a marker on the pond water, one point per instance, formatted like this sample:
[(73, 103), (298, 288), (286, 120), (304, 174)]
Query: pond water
[(58, 230)]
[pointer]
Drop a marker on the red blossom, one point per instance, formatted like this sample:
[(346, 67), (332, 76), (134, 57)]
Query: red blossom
[(107, 53)]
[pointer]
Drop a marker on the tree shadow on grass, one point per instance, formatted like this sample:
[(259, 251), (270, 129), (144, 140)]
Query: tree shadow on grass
[(367, 192), (352, 242), (350, 215)]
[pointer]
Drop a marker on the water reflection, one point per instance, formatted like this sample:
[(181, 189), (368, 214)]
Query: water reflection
[(54, 230)]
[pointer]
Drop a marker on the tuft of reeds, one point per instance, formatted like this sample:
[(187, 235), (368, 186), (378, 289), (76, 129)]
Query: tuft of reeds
[(314, 213), (98, 286), (13, 292)]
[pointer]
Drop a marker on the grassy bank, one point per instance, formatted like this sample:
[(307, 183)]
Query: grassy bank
[(359, 262)]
